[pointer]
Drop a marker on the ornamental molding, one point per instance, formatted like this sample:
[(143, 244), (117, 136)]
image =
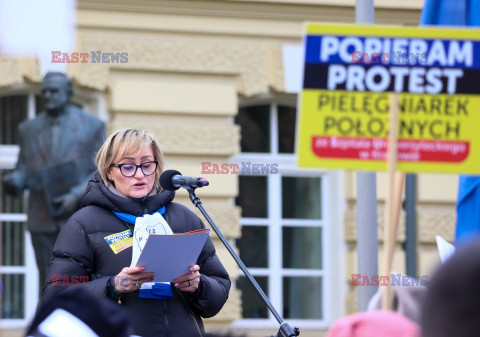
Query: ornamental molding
[(435, 220), (190, 139), (432, 220), (350, 227), (257, 66), (302, 10), (14, 70)]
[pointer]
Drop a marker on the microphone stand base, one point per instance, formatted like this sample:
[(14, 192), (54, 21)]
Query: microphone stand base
[(287, 331)]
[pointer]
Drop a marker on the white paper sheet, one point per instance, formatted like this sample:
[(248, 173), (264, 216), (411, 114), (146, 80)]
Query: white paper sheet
[(60, 321), (144, 226), (445, 248), (170, 256)]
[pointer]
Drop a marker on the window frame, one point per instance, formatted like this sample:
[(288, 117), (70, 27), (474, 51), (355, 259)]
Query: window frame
[(333, 280)]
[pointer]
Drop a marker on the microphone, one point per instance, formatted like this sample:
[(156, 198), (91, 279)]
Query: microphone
[(172, 180)]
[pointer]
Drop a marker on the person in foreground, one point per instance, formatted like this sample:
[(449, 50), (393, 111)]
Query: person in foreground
[(129, 165), (451, 306), (374, 324)]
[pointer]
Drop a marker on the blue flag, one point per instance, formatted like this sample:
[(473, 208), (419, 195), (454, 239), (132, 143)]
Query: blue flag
[(468, 209), (451, 13), (459, 13)]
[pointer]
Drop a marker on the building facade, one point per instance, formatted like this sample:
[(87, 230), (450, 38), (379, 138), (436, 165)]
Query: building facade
[(213, 81)]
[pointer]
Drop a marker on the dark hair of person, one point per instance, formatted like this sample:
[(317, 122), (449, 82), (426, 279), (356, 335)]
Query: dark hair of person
[(452, 302)]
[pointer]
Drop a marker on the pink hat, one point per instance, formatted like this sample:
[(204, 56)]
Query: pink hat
[(374, 324)]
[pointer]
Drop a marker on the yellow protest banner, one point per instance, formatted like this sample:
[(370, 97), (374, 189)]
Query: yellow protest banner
[(344, 106)]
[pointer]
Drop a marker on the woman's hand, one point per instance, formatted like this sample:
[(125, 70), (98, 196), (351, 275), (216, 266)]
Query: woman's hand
[(189, 282), (131, 279)]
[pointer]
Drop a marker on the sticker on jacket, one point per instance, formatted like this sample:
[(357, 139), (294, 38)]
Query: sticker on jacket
[(120, 241)]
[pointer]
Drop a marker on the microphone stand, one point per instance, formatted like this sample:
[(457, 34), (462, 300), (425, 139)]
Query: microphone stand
[(285, 329)]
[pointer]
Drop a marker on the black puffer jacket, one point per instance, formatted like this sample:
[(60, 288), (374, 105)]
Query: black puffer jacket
[(81, 251)]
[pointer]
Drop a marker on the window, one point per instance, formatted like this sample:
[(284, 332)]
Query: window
[(283, 241), (18, 272), (16, 255)]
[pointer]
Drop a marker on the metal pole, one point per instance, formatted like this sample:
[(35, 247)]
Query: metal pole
[(367, 237), (411, 219), (364, 12)]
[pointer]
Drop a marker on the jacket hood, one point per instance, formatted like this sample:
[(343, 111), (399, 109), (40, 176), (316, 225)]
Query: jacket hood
[(97, 194)]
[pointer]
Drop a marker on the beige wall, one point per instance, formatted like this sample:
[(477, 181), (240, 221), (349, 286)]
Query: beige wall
[(189, 64)]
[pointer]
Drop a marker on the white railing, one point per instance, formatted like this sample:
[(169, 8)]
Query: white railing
[(29, 293)]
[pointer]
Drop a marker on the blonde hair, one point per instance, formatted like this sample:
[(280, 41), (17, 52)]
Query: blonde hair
[(133, 139)]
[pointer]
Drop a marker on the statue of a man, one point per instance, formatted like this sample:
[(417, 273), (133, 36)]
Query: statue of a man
[(56, 160)]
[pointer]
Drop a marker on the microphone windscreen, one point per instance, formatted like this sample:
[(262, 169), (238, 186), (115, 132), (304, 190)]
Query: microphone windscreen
[(166, 180)]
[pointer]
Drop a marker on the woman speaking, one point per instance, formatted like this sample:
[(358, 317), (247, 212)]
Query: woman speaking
[(126, 187)]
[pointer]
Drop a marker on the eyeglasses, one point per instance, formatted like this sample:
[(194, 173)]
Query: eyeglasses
[(129, 170)]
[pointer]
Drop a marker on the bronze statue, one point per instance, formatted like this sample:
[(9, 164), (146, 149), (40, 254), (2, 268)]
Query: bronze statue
[(56, 160)]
